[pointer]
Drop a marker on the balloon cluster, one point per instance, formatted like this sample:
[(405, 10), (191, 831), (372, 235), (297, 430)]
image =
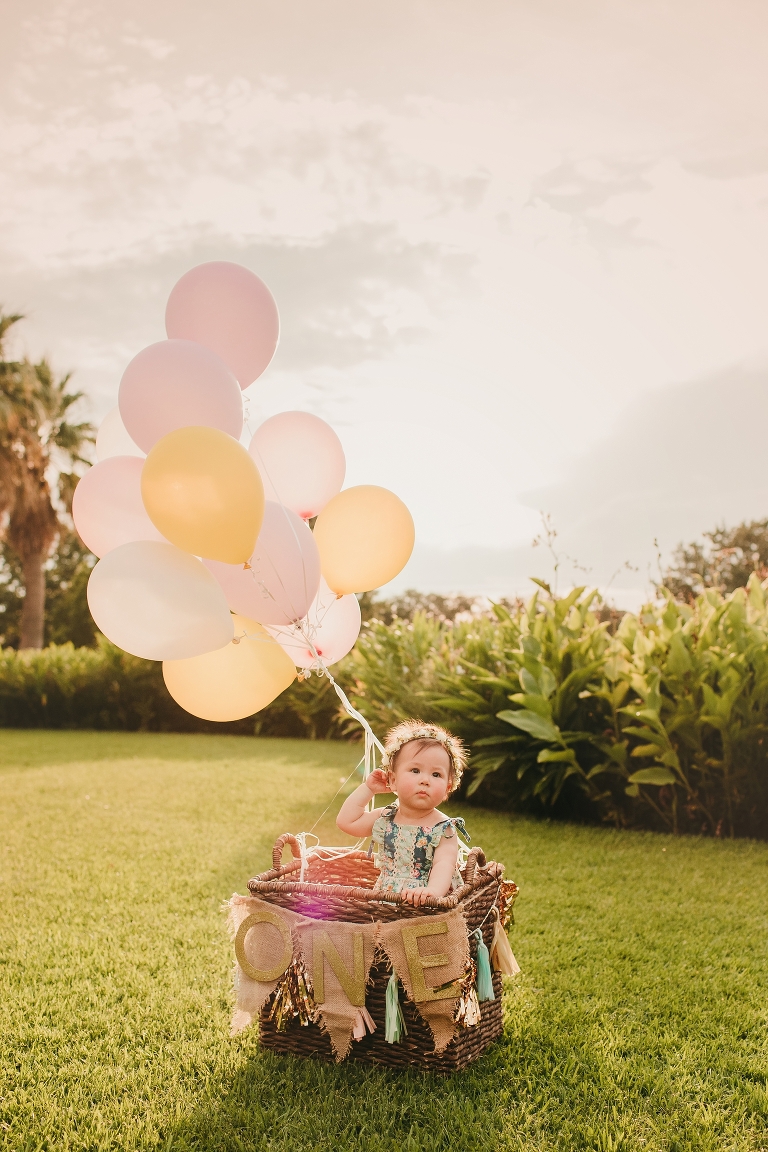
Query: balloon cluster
[(207, 558)]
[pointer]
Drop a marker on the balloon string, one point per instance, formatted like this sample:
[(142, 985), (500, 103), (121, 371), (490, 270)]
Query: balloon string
[(372, 742)]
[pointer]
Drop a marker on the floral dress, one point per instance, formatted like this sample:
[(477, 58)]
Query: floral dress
[(406, 851)]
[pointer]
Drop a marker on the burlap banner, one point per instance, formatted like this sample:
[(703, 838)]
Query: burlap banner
[(430, 955), (337, 956)]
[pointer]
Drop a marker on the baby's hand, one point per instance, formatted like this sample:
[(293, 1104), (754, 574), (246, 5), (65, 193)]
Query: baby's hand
[(378, 782), (416, 896)]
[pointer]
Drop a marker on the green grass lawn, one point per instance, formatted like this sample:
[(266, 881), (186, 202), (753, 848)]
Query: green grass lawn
[(640, 1020)]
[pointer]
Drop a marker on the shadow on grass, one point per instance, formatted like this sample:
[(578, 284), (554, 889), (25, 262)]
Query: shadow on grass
[(286, 1104)]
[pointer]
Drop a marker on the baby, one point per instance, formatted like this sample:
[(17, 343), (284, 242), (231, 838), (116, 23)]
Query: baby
[(418, 845)]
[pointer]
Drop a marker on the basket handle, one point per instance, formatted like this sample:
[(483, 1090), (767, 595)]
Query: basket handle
[(475, 860), (280, 843)]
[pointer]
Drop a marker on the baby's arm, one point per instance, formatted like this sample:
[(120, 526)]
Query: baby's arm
[(353, 818), (443, 867)]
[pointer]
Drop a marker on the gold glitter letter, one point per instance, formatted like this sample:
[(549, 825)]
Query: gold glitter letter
[(263, 975), (417, 963), (354, 986)]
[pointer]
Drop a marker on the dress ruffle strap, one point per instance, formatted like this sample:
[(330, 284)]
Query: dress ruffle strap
[(461, 828)]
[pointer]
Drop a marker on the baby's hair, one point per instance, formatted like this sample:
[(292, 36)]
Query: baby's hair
[(427, 736)]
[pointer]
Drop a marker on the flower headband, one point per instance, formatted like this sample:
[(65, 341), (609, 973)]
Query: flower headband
[(410, 730)]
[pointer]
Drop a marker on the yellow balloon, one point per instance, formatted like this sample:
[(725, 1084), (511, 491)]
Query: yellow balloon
[(234, 681), (203, 491), (365, 536)]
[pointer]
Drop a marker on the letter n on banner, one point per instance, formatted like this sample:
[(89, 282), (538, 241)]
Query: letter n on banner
[(411, 934), (354, 985)]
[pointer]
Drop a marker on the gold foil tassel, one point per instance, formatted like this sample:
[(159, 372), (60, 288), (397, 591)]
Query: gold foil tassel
[(467, 1012), (293, 998)]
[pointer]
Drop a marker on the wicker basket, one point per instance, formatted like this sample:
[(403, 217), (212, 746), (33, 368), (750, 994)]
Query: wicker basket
[(341, 888)]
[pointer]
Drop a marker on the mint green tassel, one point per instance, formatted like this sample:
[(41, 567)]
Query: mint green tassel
[(484, 982), (394, 1024)]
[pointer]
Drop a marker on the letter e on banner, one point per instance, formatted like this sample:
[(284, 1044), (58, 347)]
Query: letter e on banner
[(263, 975), (354, 986), (417, 963)]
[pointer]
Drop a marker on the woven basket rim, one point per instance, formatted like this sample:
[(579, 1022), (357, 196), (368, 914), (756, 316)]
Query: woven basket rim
[(479, 872)]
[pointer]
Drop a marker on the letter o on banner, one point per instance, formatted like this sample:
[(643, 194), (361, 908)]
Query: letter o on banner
[(263, 975)]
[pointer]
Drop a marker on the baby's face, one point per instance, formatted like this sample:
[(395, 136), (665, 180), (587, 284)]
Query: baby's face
[(422, 776)]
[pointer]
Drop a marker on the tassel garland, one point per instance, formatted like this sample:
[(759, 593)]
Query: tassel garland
[(467, 1012), (293, 998), (484, 981), (394, 1024), (364, 1022), (502, 956)]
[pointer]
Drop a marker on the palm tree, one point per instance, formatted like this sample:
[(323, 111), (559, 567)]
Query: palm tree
[(36, 443)]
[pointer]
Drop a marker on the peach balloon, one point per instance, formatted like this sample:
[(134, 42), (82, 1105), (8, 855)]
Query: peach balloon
[(107, 507), (154, 601), (174, 384), (365, 536), (301, 461), (284, 573), (203, 492), (231, 311), (234, 681), (112, 439), (332, 624)]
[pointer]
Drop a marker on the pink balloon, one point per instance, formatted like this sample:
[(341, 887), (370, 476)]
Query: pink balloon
[(332, 624), (230, 310), (301, 461), (107, 507), (174, 384), (284, 575)]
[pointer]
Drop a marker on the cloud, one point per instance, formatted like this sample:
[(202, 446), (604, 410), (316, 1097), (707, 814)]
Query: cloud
[(678, 462), (357, 294)]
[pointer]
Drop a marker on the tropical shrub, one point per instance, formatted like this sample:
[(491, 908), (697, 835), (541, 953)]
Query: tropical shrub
[(662, 724)]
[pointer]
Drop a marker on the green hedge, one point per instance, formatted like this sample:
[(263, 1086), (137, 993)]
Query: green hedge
[(103, 687), (660, 723)]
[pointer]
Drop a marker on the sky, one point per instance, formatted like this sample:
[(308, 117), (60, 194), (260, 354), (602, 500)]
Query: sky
[(519, 247)]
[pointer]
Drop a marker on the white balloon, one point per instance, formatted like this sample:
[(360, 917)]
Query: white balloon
[(107, 507), (112, 438), (332, 625), (155, 601)]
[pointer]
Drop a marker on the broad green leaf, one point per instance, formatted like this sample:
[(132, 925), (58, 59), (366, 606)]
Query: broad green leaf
[(647, 734), (649, 714), (658, 776), (531, 723), (755, 593), (529, 683), (547, 681), (531, 646), (632, 790), (548, 755), (483, 768), (536, 704), (679, 658), (563, 607), (645, 750), (490, 741)]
